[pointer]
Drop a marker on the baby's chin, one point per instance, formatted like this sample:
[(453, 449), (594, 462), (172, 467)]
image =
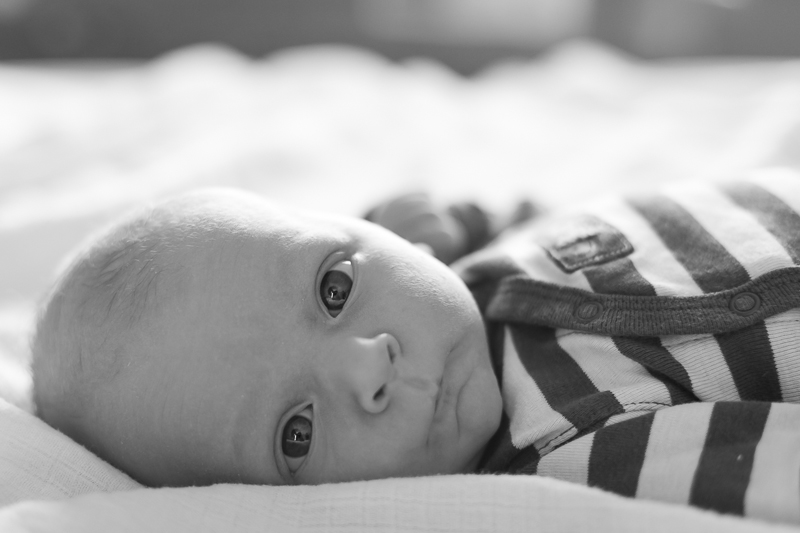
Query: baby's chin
[(479, 411)]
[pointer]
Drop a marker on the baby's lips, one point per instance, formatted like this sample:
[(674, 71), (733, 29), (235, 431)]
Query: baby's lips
[(424, 385)]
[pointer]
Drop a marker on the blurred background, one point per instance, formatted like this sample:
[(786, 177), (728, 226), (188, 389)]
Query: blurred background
[(464, 34)]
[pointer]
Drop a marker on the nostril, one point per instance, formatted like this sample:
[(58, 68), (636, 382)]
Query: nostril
[(380, 394), (393, 347), (392, 354)]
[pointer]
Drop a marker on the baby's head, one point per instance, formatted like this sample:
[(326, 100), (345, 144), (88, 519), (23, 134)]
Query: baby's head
[(218, 338)]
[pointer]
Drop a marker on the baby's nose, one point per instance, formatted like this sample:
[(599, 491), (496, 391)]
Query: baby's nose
[(373, 370)]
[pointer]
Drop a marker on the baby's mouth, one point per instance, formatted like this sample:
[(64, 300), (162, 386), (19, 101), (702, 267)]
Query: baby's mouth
[(438, 401), (441, 395), (425, 386)]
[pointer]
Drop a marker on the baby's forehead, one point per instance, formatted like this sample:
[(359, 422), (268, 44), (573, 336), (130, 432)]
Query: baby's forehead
[(221, 213), (216, 224)]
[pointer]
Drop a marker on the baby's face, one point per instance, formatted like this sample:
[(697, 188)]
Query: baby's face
[(308, 349)]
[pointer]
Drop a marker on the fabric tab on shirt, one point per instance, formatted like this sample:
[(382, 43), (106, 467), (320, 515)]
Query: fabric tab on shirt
[(583, 241)]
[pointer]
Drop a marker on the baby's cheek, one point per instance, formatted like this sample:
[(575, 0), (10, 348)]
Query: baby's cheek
[(389, 451)]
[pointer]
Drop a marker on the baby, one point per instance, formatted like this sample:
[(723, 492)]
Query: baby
[(219, 338), (646, 346)]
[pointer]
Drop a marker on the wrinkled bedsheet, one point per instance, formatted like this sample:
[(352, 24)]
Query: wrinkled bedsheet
[(339, 129)]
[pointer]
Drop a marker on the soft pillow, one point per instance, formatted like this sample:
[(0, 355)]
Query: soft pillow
[(38, 462), (457, 504)]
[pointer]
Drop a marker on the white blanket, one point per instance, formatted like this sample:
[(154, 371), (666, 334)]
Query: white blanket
[(447, 504), (38, 463), (338, 129)]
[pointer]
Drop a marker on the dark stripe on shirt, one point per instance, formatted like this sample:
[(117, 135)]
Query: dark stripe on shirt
[(499, 451), (723, 472), (561, 380), (618, 454), (495, 335), (526, 462), (483, 272), (677, 394), (618, 277), (706, 260), (648, 352), (772, 213), (748, 353)]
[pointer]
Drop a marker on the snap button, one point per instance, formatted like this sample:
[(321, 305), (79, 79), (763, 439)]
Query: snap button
[(745, 303), (588, 311)]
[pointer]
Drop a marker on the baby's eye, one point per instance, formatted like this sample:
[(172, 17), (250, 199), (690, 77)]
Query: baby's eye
[(335, 287), (296, 439)]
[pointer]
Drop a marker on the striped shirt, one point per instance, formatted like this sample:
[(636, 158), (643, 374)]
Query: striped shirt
[(650, 345)]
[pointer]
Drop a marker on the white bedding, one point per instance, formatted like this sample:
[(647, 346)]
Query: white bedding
[(62, 487), (338, 129)]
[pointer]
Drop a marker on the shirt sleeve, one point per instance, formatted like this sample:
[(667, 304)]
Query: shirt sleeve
[(759, 362), (739, 458)]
